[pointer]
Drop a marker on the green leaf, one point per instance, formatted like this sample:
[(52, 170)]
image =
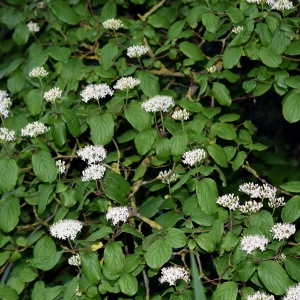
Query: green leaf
[(235, 14), (293, 81), (90, 266), (46, 262), (16, 81), (245, 269), (115, 186), (232, 56), (274, 277), (239, 160), (9, 213), (8, 174), (109, 11), (210, 21), (176, 238), (59, 132), (44, 166), (45, 191), (207, 193), (292, 266), (129, 229), (262, 219), (73, 70), (226, 291), (99, 234), (59, 53), (34, 101), (21, 34), (7, 293), (64, 12), (229, 241), (70, 118), (279, 42), (178, 143), (218, 154), (68, 198), (144, 140), (114, 258), (44, 247), (291, 186), (270, 58), (128, 284), (293, 48), (291, 106), (149, 83), (291, 210), (217, 230), (102, 129), (199, 293), (175, 29), (162, 148), (191, 50), (221, 93), (206, 242), (107, 55), (190, 105), (158, 254), (137, 116)]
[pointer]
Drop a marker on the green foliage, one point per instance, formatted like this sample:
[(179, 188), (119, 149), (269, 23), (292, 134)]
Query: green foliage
[(153, 201)]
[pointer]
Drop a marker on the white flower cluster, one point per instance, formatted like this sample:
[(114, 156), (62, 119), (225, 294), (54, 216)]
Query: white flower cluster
[(167, 177), (276, 202), (283, 231), (114, 24), (158, 103), (250, 207), (53, 94), (117, 214), (237, 29), (181, 114), (171, 274), (231, 201), (252, 242), (280, 4), (33, 27), (75, 260), (38, 72), (96, 91), (5, 103), (211, 69), (257, 191), (293, 292), (193, 156), (126, 83), (255, 1), (65, 229), (93, 172), (92, 154), (61, 166), (260, 296), (6, 135), (34, 129), (136, 51)]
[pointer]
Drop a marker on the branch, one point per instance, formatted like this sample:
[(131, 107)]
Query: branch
[(152, 10)]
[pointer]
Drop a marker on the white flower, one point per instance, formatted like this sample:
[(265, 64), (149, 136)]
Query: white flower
[(92, 154), (96, 91), (181, 115), (167, 177), (231, 201), (237, 29), (61, 166), (6, 135), (252, 242), (114, 24), (53, 94), (75, 260), (38, 72), (260, 296), (171, 274), (65, 229), (158, 103), (93, 172), (5, 103), (117, 214), (250, 207), (34, 129), (126, 83), (267, 191), (293, 292), (136, 51), (193, 156), (283, 230), (255, 1), (212, 69), (257, 191), (33, 27), (280, 4), (276, 202)]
